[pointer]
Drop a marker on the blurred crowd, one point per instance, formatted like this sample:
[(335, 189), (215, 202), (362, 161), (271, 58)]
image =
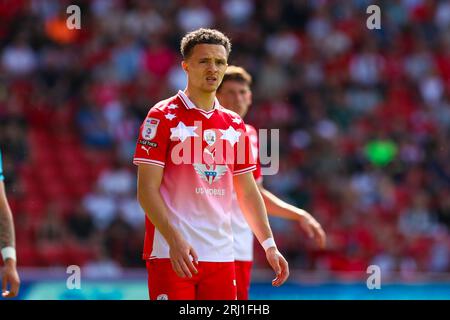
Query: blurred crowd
[(364, 120)]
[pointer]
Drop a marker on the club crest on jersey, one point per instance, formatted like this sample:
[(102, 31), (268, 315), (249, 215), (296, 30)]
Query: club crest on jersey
[(209, 136), (210, 173), (149, 128), (162, 297)]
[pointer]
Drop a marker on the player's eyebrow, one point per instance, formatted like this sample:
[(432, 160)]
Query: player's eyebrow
[(209, 59)]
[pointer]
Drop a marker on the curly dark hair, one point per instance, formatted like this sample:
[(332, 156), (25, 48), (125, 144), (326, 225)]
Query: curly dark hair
[(203, 36)]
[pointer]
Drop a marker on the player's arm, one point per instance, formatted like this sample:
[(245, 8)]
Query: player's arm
[(7, 245), (149, 197), (277, 207), (254, 210)]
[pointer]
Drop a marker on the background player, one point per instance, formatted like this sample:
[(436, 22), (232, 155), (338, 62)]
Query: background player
[(189, 244), (235, 94), (7, 244)]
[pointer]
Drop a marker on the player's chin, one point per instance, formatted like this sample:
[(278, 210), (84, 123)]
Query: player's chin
[(210, 87)]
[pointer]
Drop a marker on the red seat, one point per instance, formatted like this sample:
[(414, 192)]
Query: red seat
[(66, 141), (75, 174), (78, 254), (42, 156), (66, 204), (33, 206), (47, 172), (26, 170), (39, 137), (32, 187), (52, 254), (55, 189), (80, 189), (73, 154), (27, 254)]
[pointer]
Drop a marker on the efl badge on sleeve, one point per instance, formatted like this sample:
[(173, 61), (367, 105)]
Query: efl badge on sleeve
[(149, 128)]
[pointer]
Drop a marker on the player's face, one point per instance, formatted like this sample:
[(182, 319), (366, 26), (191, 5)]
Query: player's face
[(236, 96), (206, 66)]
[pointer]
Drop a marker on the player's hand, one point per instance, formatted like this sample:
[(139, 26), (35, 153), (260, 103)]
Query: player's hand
[(313, 229), (10, 277), (183, 257), (279, 265)]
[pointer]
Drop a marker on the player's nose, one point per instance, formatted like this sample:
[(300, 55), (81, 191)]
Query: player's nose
[(212, 67)]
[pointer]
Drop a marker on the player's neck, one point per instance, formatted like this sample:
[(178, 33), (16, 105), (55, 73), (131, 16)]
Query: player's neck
[(202, 100)]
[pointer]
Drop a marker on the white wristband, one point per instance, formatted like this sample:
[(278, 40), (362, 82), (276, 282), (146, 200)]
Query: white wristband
[(9, 253), (268, 243)]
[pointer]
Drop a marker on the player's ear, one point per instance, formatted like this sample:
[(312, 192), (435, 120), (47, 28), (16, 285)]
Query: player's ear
[(184, 65)]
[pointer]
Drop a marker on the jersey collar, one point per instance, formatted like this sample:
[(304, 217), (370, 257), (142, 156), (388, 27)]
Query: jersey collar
[(191, 106)]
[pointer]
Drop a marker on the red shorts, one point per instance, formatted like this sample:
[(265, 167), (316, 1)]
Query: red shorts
[(214, 281), (243, 275)]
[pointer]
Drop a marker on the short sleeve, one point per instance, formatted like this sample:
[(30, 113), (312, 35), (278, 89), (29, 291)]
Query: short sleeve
[(244, 160), (153, 140)]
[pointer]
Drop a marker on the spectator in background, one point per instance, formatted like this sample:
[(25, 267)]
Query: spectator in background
[(81, 226), (101, 206), (18, 58), (143, 21), (235, 94), (417, 220), (117, 180), (93, 126), (126, 58), (193, 15), (130, 210)]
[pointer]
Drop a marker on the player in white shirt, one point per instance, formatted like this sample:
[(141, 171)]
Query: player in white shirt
[(235, 94)]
